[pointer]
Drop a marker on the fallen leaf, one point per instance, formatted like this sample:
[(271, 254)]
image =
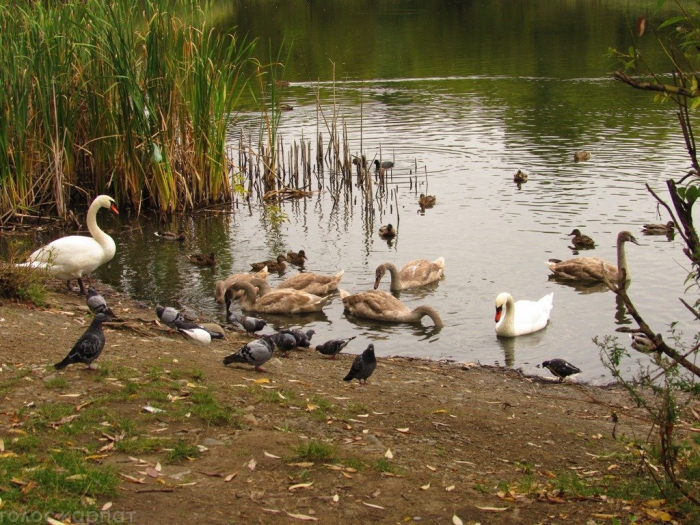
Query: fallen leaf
[(302, 517), (151, 472), (431, 468), (425, 487), (271, 455), (403, 430), (658, 514), (230, 477), (158, 467), (2, 445), (603, 516), (311, 408), (300, 486), (492, 509), (152, 410), (52, 521), (252, 464), (450, 488), (70, 395), (272, 511), (132, 479), (654, 503), (303, 464), (107, 506), (346, 475), (336, 498), (76, 477), (641, 26), (261, 381), (8, 454), (441, 411), (372, 505), (388, 454), (456, 520)]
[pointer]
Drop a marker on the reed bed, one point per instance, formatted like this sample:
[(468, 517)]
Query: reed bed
[(131, 97)]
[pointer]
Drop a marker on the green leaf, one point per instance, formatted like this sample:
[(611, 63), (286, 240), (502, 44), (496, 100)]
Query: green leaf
[(672, 21), (692, 193), (681, 192)]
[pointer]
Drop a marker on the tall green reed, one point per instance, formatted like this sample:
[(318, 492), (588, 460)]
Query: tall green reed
[(128, 97)]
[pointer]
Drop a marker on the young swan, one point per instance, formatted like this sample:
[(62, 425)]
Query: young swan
[(523, 317), (413, 274), (382, 306), (284, 301)]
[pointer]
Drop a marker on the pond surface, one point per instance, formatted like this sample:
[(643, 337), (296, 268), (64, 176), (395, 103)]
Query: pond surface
[(467, 93)]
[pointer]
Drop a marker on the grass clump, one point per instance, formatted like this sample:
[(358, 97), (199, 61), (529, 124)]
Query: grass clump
[(314, 450), (181, 451), (206, 407), (19, 282)]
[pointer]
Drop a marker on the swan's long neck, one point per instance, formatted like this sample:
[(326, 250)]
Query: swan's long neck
[(104, 240), (622, 259), (248, 300), (395, 279), (509, 316), (418, 313)]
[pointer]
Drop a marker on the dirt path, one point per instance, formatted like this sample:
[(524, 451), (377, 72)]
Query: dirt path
[(422, 441)]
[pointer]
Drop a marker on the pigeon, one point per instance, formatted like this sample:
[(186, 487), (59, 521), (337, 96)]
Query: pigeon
[(169, 315), (334, 346), (249, 324), (97, 303), (363, 366), (303, 338), (88, 347), (560, 368), (284, 341), (195, 333), (256, 353)]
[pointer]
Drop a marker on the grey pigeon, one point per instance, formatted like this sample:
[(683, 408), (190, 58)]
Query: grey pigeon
[(303, 338), (97, 303), (255, 353), (284, 341), (249, 324), (363, 366), (88, 347), (560, 368), (169, 315), (334, 346)]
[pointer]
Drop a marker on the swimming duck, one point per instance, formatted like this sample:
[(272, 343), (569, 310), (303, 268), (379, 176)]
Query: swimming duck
[(580, 156), (581, 241), (591, 268), (284, 301), (382, 306), (272, 266), (385, 165), (520, 176), (521, 317), (313, 283), (73, 256), (387, 232), (413, 274), (561, 368), (642, 343), (203, 259), (654, 229), (426, 201), (220, 287), (297, 258), (170, 236)]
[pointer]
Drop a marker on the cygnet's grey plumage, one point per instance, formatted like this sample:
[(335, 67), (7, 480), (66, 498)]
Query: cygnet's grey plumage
[(247, 323), (88, 347), (363, 366), (333, 347), (303, 338), (96, 303), (560, 368), (255, 353)]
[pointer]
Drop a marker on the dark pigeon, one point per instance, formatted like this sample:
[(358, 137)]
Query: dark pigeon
[(560, 368), (284, 341), (97, 303), (255, 353), (363, 366), (333, 347), (169, 315), (303, 338), (249, 324), (88, 347)]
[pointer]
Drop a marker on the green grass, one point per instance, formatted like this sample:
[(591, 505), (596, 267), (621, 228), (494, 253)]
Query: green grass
[(56, 383), (384, 465), (181, 451), (207, 408), (139, 445), (314, 450)]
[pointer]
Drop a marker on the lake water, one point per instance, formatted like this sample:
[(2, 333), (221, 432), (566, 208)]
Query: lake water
[(467, 92)]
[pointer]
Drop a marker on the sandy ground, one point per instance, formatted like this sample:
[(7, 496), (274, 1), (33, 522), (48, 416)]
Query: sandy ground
[(421, 442)]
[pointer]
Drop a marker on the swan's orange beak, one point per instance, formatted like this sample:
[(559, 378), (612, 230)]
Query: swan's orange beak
[(114, 209), (499, 311)]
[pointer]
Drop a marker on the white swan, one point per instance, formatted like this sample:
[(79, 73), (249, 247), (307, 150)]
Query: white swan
[(522, 317), (413, 274), (73, 256)]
